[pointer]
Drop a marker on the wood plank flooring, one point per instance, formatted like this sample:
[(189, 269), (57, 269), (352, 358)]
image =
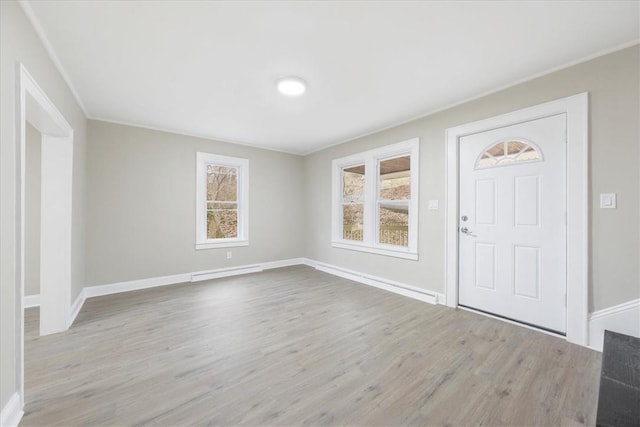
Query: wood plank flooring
[(296, 346)]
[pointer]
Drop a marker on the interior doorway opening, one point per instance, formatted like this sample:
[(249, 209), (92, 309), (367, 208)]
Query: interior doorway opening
[(37, 117)]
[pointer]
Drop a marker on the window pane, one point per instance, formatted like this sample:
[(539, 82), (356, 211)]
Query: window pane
[(353, 184), (395, 178), (221, 205), (486, 161), (394, 225), (352, 224), (222, 183), (497, 150), (529, 154), (514, 147), (222, 223), (516, 151)]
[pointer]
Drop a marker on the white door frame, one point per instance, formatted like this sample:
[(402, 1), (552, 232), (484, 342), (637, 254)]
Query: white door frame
[(55, 236), (577, 110)]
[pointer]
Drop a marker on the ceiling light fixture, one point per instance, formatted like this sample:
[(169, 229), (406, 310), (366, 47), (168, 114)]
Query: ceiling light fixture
[(291, 86)]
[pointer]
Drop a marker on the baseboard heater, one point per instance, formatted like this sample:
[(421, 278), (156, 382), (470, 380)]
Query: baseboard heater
[(377, 282), (225, 272)]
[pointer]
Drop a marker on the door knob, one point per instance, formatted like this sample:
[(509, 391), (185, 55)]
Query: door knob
[(466, 231)]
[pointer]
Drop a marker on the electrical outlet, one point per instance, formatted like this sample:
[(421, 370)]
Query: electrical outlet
[(229, 255)]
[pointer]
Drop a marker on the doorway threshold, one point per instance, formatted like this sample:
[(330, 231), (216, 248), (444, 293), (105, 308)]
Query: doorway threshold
[(514, 322)]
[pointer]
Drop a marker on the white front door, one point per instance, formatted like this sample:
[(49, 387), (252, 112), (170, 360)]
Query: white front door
[(512, 259)]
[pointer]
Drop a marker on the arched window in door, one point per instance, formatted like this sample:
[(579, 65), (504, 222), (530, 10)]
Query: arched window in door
[(508, 152)]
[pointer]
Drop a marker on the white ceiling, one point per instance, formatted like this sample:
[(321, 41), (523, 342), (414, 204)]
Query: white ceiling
[(209, 68)]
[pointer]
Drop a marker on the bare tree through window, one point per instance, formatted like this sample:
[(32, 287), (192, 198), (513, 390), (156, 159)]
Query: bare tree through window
[(353, 203), (222, 202)]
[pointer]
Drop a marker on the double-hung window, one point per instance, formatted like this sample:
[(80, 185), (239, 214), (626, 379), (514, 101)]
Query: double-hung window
[(375, 201), (222, 202)]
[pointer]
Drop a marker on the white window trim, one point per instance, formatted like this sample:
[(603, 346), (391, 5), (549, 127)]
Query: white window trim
[(370, 224), (202, 160)]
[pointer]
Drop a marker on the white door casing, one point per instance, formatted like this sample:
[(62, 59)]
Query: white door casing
[(33, 105), (513, 256), (576, 108)]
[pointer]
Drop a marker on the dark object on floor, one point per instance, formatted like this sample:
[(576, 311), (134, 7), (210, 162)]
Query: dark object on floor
[(619, 400)]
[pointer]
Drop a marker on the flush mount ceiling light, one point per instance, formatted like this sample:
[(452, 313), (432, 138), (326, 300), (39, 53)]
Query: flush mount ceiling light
[(291, 86)]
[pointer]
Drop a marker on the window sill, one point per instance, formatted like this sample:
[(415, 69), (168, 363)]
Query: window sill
[(397, 253), (223, 244)]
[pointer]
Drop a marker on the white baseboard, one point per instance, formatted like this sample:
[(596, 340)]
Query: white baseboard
[(76, 307), (225, 272), (30, 301), (367, 279), (245, 269), (283, 263), (134, 285), (378, 282), (623, 318), (308, 262), (12, 412)]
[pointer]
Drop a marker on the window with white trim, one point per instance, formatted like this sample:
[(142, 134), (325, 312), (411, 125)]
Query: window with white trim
[(222, 201), (375, 201)]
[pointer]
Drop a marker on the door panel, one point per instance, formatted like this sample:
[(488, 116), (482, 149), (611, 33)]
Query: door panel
[(513, 195), (526, 267), (486, 201), (527, 201), (485, 266)]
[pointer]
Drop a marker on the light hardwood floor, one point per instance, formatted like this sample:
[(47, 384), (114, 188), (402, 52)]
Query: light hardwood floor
[(296, 346)]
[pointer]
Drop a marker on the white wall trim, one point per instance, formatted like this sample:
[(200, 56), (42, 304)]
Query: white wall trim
[(623, 318), (225, 272), (370, 159), (282, 263), (203, 160), (481, 95), (134, 285), (76, 307), (12, 412), (367, 279), (576, 109), (313, 263), (56, 231), (30, 301), (35, 22), (54, 304), (196, 276), (379, 282), (309, 262), (392, 252), (193, 135), (226, 243)]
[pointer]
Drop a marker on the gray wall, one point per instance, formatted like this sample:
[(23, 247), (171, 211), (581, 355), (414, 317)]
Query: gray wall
[(613, 85), (32, 212), (19, 42), (141, 205)]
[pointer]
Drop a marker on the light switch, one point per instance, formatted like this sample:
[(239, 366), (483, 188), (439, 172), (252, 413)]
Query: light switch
[(607, 200), (432, 205)]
